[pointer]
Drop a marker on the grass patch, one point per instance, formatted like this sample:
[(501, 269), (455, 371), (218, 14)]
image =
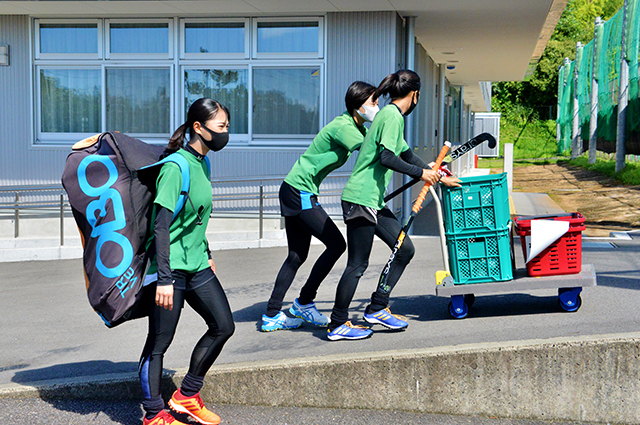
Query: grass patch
[(630, 174), (499, 162), (531, 138)]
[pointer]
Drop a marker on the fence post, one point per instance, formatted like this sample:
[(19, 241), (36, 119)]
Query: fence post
[(593, 119), (16, 217), (508, 165), (261, 210), (623, 99), (576, 140), (61, 218)]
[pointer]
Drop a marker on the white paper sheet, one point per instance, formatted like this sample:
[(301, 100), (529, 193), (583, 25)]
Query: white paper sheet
[(543, 234)]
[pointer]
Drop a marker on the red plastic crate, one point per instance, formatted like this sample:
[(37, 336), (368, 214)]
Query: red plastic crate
[(564, 256)]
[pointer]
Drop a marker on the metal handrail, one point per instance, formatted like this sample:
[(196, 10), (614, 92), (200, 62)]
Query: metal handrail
[(261, 194)]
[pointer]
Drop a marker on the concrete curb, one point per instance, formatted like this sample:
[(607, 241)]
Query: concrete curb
[(594, 379)]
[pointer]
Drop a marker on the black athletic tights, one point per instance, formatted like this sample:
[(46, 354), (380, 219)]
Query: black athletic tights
[(360, 232), (300, 228), (210, 302)]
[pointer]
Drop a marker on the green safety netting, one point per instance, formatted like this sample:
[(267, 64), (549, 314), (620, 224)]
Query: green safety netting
[(632, 46), (584, 56), (565, 106), (608, 76), (603, 65)]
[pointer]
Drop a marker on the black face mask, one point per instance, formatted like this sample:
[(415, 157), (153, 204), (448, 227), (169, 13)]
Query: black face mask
[(413, 104), (218, 140)]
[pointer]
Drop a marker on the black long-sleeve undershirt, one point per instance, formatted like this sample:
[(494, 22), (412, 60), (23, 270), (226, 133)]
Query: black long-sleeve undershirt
[(163, 244), (406, 163)]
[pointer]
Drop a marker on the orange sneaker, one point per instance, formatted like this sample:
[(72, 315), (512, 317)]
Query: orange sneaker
[(162, 418), (194, 407)]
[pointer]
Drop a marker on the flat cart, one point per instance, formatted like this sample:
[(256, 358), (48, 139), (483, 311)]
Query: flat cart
[(569, 286)]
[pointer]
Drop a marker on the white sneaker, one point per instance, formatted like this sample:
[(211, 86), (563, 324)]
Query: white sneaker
[(309, 313), (279, 322)]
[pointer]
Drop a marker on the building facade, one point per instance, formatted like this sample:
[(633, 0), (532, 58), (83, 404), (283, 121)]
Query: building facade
[(282, 77)]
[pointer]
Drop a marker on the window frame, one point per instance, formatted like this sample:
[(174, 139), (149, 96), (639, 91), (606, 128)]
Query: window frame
[(208, 56), (288, 55), (138, 56), (68, 56), (177, 61)]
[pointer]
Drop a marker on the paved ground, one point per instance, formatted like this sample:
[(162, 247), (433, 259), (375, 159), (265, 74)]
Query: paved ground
[(50, 332), (36, 412)]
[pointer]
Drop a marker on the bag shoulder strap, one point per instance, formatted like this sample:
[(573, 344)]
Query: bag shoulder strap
[(182, 163)]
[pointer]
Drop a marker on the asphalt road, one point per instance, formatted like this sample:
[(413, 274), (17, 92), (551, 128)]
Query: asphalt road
[(49, 330), (36, 412)]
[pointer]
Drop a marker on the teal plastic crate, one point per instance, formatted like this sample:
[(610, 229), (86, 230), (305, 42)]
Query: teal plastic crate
[(476, 257), (481, 203)]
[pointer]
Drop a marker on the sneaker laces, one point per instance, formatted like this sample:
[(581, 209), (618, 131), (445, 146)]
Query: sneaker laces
[(199, 401), (397, 316), (352, 326)]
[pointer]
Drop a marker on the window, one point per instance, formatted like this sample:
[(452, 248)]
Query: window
[(300, 38), (73, 40), (228, 86), (70, 100), (215, 39), (140, 77), (286, 101), (138, 100), (142, 40)]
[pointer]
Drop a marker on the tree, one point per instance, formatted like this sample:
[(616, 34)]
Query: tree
[(540, 92)]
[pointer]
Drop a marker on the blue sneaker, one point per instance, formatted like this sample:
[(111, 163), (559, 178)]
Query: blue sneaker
[(309, 313), (386, 318), (349, 331), (279, 322)]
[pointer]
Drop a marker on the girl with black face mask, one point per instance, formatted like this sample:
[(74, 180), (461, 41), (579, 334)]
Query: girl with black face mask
[(383, 151), (186, 274)]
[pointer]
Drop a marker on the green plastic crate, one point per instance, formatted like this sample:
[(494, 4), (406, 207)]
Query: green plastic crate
[(476, 257), (481, 203)]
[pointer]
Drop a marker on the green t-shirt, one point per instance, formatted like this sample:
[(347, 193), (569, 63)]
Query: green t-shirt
[(369, 178), (188, 241), (329, 150)]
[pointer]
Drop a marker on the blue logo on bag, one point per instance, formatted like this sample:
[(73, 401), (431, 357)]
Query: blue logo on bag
[(106, 232)]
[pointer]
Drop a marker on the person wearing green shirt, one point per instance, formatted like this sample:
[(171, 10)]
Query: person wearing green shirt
[(304, 217), (185, 270), (383, 151)]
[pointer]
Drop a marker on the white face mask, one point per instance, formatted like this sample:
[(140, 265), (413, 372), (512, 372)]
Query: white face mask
[(369, 112)]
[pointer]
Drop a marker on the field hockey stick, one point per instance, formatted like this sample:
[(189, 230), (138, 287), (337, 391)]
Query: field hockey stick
[(454, 155), (384, 277)]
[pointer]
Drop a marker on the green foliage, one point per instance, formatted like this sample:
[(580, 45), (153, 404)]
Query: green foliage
[(629, 175), (531, 138), (528, 108), (541, 90)]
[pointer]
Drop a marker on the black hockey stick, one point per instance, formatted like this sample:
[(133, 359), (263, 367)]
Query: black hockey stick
[(454, 155), (384, 277)]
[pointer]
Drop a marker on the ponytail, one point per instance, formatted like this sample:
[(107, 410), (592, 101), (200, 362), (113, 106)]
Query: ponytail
[(399, 84), (200, 111), (177, 140)]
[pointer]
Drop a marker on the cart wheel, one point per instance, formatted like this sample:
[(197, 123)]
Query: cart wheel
[(457, 307), (469, 299), (569, 299)]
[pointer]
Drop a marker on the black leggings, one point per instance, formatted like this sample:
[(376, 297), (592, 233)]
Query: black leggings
[(360, 232), (210, 302), (310, 222)]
